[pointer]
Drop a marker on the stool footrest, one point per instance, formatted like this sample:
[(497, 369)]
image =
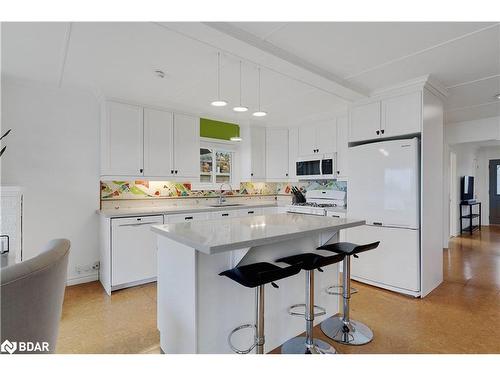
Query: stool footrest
[(337, 290), (321, 310), (235, 349)]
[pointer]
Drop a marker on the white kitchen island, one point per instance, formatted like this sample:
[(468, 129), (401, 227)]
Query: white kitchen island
[(197, 308)]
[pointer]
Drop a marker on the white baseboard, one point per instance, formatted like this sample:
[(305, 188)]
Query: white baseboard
[(83, 279)]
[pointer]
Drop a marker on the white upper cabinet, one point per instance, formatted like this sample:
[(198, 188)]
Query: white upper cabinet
[(158, 139), (342, 147), (276, 154), (122, 142), (186, 146), (365, 122), (318, 139), (147, 142), (307, 141), (258, 153), (402, 115), (390, 117), (293, 152), (326, 137)]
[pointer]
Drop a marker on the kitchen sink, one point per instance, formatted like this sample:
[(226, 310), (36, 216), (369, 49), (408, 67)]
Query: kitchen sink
[(226, 204)]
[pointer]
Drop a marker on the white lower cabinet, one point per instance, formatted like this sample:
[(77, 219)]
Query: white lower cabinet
[(184, 218), (223, 214), (269, 210), (133, 250), (250, 212), (341, 215)]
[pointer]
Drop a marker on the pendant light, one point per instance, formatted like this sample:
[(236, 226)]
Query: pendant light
[(259, 112), (240, 108), (219, 102)]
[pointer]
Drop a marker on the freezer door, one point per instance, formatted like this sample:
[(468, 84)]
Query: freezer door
[(394, 264), (384, 183)]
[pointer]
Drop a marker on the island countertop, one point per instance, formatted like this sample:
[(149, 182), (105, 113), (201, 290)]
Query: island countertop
[(219, 235)]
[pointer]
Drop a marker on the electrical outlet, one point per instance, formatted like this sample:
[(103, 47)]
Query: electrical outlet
[(88, 268)]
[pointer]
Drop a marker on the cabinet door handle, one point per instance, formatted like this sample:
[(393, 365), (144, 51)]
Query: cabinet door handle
[(171, 171), (251, 212), (338, 172), (378, 132), (138, 224), (382, 131), (225, 214), (188, 218), (140, 170), (176, 171), (251, 174), (286, 174)]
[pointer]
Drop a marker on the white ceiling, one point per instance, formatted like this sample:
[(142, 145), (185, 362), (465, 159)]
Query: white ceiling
[(310, 70)]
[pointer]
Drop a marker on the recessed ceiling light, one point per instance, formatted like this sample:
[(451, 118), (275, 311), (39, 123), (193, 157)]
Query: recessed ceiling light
[(160, 73), (240, 108), (259, 114)]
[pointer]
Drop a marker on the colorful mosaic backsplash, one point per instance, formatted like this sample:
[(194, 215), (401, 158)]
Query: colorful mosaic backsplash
[(140, 189)]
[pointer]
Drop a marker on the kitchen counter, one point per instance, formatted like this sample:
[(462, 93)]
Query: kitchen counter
[(124, 212), (215, 236), (197, 308)]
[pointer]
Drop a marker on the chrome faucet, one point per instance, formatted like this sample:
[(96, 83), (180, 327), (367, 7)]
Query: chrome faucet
[(222, 199)]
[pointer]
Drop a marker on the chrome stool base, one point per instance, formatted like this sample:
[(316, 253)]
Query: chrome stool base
[(298, 345), (351, 333)]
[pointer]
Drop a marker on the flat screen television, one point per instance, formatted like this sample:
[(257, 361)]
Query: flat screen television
[(467, 188)]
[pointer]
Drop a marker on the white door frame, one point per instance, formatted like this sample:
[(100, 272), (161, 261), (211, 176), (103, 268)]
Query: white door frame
[(453, 183)]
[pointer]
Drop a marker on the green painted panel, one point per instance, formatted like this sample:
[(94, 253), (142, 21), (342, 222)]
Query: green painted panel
[(218, 129)]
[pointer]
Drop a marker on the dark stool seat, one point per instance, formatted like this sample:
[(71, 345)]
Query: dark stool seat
[(309, 262), (341, 327), (348, 248), (253, 275)]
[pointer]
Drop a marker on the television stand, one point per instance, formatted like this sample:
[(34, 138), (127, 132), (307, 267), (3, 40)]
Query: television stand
[(470, 216)]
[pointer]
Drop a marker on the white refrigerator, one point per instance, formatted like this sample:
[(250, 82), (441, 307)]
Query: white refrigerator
[(384, 190)]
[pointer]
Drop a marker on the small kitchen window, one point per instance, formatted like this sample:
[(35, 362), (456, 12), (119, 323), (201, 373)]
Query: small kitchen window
[(216, 167)]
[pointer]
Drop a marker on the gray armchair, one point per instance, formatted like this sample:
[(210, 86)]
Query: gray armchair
[(32, 294)]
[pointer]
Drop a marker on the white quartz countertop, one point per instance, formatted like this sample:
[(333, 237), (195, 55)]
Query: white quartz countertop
[(124, 212), (219, 235)]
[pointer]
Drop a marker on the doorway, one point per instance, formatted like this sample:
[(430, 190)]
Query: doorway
[(495, 191), (453, 195)]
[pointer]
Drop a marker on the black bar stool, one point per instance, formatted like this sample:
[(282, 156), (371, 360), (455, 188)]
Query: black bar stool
[(340, 327), (255, 276), (309, 345)]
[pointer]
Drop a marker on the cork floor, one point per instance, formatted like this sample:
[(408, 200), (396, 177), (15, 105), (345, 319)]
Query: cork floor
[(461, 316)]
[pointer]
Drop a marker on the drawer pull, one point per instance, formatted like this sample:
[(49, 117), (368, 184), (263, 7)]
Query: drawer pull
[(137, 224), (225, 214), (251, 212), (188, 218)]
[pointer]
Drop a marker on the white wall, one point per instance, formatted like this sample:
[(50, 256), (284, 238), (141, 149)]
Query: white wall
[(473, 131), (53, 152)]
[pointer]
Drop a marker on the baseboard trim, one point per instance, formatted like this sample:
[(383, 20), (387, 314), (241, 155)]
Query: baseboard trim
[(82, 280)]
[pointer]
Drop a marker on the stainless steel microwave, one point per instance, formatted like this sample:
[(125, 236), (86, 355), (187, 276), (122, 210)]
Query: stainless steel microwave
[(315, 167)]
